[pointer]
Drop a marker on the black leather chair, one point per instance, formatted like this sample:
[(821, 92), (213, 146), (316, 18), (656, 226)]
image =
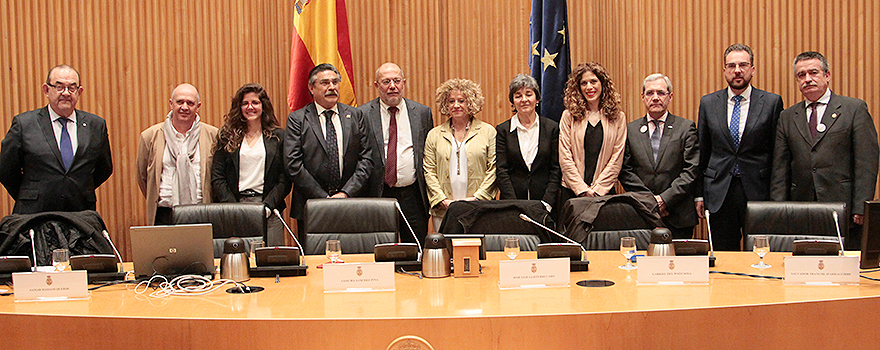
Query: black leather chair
[(358, 223), (599, 222), (786, 222), (243, 220), (498, 220)]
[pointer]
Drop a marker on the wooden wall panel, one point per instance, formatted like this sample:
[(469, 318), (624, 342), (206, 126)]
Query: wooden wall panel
[(132, 53)]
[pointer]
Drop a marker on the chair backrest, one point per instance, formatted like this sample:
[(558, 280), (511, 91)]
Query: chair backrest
[(243, 220), (599, 222), (498, 220), (358, 223), (785, 222)]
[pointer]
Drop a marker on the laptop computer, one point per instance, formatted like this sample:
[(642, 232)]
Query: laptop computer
[(173, 250)]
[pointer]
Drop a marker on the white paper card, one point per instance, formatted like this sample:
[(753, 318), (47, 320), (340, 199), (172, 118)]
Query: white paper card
[(359, 277), (38, 286), (821, 270), (534, 273), (673, 270)]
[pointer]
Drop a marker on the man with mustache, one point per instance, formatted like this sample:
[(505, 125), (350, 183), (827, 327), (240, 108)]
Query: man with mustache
[(661, 157), (327, 147), (53, 158), (826, 146), (174, 157), (736, 129)]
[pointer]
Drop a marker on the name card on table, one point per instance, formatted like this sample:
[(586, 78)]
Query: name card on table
[(821, 270), (673, 270), (359, 277), (50, 286), (534, 273)]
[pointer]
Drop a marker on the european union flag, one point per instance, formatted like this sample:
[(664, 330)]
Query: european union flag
[(549, 56)]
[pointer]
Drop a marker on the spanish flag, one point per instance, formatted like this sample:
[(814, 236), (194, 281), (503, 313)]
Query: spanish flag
[(320, 35)]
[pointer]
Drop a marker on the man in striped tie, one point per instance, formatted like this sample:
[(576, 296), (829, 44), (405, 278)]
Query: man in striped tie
[(53, 158)]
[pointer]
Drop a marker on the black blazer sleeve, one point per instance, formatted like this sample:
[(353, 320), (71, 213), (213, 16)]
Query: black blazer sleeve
[(502, 166), (277, 179), (221, 170)]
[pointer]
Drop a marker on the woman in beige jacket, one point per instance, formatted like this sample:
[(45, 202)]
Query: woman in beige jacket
[(459, 153), (592, 133)]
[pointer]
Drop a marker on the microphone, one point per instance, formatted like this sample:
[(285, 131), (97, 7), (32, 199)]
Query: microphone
[(107, 236), (528, 219), (33, 249), (278, 214), (397, 205), (837, 226), (711, 246)]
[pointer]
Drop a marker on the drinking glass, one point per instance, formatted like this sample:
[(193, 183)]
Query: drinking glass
[(628, 249), (762, 247), (60, 259), (252, 252), (511, 247), (334, 250)]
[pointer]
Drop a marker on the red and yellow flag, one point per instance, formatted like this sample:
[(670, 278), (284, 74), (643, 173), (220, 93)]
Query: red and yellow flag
[(320, 35)]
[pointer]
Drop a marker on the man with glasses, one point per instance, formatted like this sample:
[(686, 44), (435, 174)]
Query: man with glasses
[(826, 146), (736, 128), (661, 157), (53, 158), (327, 145)]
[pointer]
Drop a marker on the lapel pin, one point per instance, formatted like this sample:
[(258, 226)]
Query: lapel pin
[(820, 128), (834, 116), (669, 126), (84, 124), (348, 116), (644, 129)]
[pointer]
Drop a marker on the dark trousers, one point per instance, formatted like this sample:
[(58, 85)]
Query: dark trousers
[(680, 232), (410, 200), (727, 223)]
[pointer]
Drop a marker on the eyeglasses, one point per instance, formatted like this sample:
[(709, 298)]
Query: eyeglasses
[(659, 93), (741, 65), (328, 82), (61, 88), (387, 82)]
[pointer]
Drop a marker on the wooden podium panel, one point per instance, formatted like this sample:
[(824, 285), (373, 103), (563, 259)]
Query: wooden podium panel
[(730, 312)]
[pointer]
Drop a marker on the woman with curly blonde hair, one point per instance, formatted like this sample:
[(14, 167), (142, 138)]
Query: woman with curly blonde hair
[(592, 133), (459, 153)]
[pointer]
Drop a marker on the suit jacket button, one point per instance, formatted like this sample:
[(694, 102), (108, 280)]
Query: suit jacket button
[(814, 170)]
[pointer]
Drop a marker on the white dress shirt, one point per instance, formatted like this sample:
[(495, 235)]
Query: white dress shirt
[(743, 110), (406, 167), (820, 109), (251, 165), (528, 139), (169, 167)]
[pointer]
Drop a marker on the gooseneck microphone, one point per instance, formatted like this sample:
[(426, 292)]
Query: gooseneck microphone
[(711, 246), (569, 240), (118, 257), (397, 205), (837, 226), (33, 249), (278, 214)]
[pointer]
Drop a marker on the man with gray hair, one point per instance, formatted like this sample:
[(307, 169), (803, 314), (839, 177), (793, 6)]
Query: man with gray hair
[(826, 146), (661, 157), (174, 157)]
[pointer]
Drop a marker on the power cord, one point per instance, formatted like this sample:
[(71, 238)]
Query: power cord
[(402, 271), (183, 285), (746, 275)]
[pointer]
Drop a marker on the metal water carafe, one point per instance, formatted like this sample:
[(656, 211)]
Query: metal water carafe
[(661, 243), (435, 259), (234, 262)]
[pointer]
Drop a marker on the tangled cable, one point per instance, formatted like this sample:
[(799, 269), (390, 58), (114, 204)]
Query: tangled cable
[(182, 285)]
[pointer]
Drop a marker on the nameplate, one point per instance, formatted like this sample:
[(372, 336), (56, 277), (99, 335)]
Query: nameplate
[(359, 277), (821, 270), (673, 270), (534, 273), (46, 286)]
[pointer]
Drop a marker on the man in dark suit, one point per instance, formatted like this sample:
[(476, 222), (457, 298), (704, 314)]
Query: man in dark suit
[(53, 158), (826, 146), (327, 145), (661, 157), (397, 171), (736, 129)]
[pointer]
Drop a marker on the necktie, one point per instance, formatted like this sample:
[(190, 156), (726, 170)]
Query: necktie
[(332, 150), (391, 154), (655, 138), (814, 119), (65, 146), (734, 120)]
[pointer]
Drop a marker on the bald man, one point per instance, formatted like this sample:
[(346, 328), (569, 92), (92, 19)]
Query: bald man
[(178, 171), (412, 121)]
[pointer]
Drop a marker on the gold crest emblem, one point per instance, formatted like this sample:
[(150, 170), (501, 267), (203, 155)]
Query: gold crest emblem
[(672, 264), (534, 268), (360, 272), (821, 265), (48, 280)]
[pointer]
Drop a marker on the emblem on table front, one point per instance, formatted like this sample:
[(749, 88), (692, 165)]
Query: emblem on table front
[(48, 280), (410, 342), (821, 264), (360, 272), (671, 264), (534, 268)]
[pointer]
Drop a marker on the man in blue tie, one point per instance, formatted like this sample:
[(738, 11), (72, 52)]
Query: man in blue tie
[(737, 129), (53, 158)]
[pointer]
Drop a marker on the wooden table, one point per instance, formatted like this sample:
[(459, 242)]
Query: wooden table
[(467, 313)]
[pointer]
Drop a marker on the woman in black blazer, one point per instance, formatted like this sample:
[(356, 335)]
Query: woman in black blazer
[(249, 158), (527, 157)]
